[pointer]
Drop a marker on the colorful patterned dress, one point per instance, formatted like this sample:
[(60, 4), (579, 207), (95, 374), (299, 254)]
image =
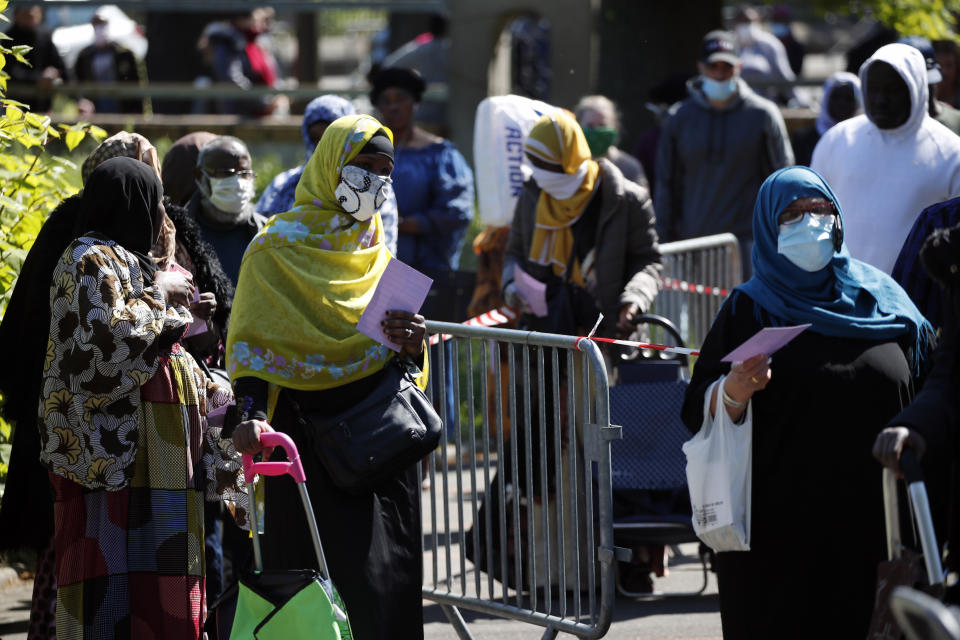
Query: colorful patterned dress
[(124, 439)]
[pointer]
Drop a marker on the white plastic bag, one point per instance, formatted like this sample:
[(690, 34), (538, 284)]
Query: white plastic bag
[(719, 477), (501, 127)]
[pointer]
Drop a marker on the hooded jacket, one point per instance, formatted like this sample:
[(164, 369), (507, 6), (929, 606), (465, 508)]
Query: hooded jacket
[(884, 178), (712, 160)]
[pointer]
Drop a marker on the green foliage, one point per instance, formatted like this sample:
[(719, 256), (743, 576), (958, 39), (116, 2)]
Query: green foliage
[(343, 22), (267, 166), (32, 183), (933, 19)]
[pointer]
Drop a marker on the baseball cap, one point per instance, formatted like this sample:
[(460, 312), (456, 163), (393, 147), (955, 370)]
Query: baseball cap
[(719, 46), (925, 47)]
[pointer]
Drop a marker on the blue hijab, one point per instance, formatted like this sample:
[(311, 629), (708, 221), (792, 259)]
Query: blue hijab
[(328, 108), (847, 298)]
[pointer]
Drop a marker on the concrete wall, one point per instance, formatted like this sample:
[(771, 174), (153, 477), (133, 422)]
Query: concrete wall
[(475, 26), (641, 43)]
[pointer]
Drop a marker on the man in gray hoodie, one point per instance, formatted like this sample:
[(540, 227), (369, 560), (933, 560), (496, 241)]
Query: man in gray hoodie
[(717, 147)]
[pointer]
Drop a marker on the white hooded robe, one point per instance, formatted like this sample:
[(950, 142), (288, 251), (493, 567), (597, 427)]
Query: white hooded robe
[(884, 178)]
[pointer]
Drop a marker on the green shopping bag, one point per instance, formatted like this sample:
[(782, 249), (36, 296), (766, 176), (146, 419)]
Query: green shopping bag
[(279, 605), (287, 605)]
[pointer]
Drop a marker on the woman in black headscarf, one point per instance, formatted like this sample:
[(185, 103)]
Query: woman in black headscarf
[(26, 512), (120, 422)]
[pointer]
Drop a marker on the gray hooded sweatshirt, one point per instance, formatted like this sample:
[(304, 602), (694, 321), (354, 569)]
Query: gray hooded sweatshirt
[(712, 160)]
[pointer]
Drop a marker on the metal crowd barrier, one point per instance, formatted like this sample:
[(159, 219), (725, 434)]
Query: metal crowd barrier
[(697, 277), (518, 518)]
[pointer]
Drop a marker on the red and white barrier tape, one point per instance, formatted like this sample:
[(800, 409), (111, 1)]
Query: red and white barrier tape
[(672, 284), (505, 314), (644, 345), (491, 318)]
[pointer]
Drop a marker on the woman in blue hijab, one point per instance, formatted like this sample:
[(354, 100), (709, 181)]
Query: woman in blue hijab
[(817, 405), (320, 112)]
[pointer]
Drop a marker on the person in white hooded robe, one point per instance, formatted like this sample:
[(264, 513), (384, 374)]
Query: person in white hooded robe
[(890, 163)]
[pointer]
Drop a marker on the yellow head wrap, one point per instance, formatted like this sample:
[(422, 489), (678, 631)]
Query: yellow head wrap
[(306, 278), (558, 139)]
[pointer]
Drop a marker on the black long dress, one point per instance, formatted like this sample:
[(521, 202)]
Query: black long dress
[(817, 512), (372, 541)]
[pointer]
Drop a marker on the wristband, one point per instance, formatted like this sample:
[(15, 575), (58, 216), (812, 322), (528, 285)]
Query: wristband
[(729, 401)]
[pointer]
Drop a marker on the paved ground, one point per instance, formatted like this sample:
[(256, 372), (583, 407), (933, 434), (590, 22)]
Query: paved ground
[(664, 619), (15, 610), (687, 618)]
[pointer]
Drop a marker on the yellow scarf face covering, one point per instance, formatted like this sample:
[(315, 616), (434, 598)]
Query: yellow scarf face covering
[(306, 278), (558, 139)]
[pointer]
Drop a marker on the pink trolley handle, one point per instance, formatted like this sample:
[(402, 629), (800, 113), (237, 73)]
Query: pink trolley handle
[(292, 467)]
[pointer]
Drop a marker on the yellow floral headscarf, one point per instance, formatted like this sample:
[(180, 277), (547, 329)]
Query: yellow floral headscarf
[(306, 278), (559, 140)]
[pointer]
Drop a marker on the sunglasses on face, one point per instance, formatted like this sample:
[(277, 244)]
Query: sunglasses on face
[(793, 215), (229, 172)]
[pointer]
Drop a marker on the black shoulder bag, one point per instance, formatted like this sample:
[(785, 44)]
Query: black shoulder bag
[(392, 428)]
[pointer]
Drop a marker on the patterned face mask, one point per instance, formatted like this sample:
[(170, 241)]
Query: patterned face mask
[(361, 193)]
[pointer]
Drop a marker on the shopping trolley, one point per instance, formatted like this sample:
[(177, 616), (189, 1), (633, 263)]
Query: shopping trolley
[(282, 604), (905, 575)]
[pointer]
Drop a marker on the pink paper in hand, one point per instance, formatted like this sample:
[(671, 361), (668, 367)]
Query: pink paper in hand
[(767, 340), (401, 288), (532, 290), (198, 326)]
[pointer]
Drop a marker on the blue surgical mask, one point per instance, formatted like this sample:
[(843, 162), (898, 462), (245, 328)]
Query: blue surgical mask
[(780, 29), (808, 242), (719, 90)]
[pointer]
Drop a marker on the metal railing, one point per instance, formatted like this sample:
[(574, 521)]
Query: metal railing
[(435, 91), (518, 519), (697, 277), (208, 6)]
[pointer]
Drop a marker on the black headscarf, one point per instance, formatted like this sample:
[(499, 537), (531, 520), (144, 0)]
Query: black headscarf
[(379, 144), (409, 80), (121, 201)]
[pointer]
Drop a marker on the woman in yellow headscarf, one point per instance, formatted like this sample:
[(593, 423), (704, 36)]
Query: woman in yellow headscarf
[(293, 352), (581, 223), (588, 233)]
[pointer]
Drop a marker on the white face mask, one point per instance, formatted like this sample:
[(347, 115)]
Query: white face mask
[(361, 193), (229, 195), (560, 185), (808, 243)]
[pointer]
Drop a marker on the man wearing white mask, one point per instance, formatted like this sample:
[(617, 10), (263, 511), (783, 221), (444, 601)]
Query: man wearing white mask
[(223, 203), (716, 148), (889, 164), (106, 62)]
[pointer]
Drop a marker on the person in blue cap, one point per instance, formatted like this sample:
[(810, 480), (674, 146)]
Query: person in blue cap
[(816, 407)]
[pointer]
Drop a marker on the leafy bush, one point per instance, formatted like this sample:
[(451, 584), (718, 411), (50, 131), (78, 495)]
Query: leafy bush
[(32, 182)]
